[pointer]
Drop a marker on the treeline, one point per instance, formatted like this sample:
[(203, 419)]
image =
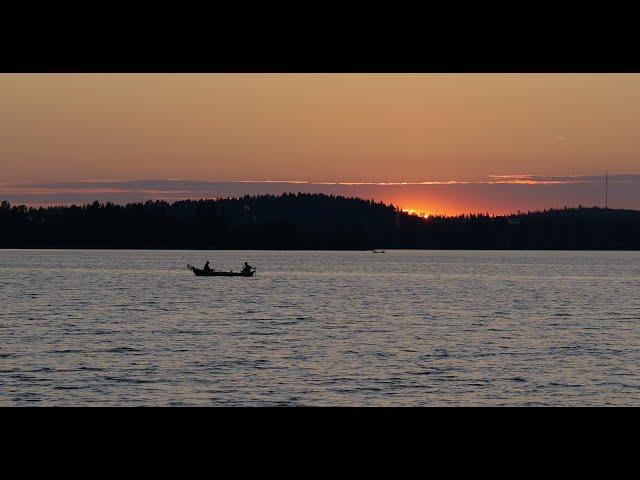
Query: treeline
[(307, 221)]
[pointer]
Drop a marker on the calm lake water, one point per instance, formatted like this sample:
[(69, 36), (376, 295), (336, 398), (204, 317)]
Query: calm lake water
[(82, 327)]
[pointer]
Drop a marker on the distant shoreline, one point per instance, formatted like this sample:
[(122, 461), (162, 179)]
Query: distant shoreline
[(309, 222)]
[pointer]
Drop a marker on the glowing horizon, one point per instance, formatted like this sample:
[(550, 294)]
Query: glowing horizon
[(507, 195)]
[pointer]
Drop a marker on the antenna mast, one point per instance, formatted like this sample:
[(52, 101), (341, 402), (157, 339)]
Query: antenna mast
[(606, 189)]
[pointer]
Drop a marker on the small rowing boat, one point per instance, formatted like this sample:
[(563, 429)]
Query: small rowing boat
[(199, 272)]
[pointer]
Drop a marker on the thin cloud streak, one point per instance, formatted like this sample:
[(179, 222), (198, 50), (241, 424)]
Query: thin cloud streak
[(499, 179)]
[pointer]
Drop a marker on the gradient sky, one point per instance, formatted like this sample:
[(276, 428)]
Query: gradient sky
[(471, 129)]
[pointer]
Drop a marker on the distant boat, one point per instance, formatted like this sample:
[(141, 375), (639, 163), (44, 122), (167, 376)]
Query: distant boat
[(377, 251), (199, 272)]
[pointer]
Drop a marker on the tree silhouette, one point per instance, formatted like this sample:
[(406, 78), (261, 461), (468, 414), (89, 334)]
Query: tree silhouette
[(307, 221)]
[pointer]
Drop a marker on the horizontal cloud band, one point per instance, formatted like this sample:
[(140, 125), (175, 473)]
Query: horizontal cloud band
[(497, 194)]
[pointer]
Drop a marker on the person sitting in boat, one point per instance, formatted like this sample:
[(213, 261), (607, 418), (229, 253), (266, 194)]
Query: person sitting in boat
[(247, 268), (207, 268)]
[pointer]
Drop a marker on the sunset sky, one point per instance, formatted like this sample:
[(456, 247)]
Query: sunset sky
[(459, 142)]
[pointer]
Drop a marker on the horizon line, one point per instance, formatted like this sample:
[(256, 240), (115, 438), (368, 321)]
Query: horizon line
[(399, 208)]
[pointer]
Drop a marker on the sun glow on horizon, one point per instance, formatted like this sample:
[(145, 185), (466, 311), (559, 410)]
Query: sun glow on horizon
[(417, 213)]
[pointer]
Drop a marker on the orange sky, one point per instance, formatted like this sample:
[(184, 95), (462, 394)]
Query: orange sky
[(319, 128)]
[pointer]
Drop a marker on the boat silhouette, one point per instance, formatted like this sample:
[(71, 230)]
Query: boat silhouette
[(199, 272)]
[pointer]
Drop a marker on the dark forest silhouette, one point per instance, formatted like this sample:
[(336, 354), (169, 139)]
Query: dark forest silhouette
[(307, 221)]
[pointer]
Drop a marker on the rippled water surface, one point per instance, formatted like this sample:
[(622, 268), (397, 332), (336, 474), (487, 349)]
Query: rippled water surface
[(81, 327)]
